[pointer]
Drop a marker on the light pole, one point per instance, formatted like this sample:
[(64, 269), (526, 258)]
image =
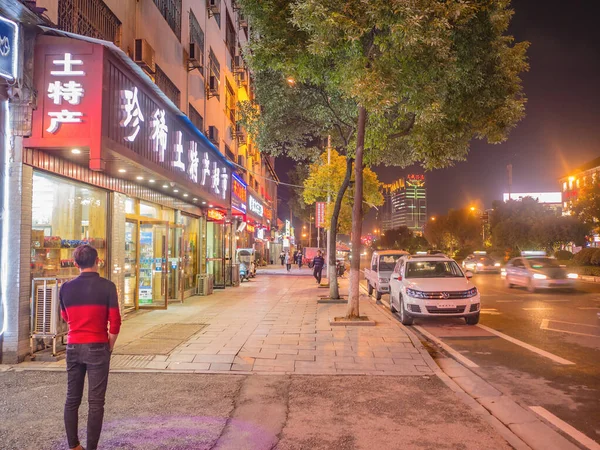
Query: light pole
[(310, 231)]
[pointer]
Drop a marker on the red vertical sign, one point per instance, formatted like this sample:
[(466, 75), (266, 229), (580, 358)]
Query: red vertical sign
[(320, 215)]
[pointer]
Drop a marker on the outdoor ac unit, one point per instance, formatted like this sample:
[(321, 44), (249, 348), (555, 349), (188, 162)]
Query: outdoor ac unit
[(47, 311), (243, 22), (214, 6), (213, 86), (196, 58), (213, 134), (144, 55), (240, 132), (242, 78), (239, 64)]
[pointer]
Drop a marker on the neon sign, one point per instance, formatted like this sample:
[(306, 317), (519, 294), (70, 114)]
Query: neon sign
[(250, 228), (238, 194), (215, 215), (255, 206), (9, 51), (70, 91)]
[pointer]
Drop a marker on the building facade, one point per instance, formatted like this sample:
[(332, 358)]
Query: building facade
[(405, 204), (130, 145), (572, 184)]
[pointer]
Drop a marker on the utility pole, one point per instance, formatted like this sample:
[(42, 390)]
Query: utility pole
[(509, 173), (330, 245)]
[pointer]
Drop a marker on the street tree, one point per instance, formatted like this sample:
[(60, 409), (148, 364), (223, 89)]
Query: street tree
[(424, 77), (458, 229), (401, 238), (326, 178), (587, 206)]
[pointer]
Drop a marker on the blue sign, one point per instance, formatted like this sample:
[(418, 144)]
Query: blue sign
[(9, 51)]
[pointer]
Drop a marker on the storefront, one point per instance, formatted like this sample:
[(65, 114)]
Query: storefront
[(119, 167)]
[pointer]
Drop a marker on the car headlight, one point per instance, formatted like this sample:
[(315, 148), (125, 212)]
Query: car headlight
[(472, 292), (573, 276), (539, 276), (479, 265), (415, 294), (497, 265)]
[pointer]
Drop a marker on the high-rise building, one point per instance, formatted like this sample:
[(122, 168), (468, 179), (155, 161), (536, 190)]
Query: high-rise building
[(405, 204)]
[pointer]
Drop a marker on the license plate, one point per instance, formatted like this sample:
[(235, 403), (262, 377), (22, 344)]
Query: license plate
[(446, 305)]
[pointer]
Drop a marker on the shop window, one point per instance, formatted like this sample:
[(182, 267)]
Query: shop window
[(129, 205), (147, 210), (230, 101), (65, 214), (197, 35), (171, 11), (190, 251)]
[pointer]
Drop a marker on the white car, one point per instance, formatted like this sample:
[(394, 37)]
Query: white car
[(538, 272), (433, 286)]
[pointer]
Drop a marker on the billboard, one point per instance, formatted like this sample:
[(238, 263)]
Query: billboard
[(542, 197)]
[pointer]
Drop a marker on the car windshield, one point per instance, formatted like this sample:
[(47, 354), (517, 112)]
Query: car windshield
[(388, 262), (485, 260), (433, 269), (543, 263)]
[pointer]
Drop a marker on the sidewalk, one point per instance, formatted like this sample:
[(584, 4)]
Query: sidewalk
[(272, 324)]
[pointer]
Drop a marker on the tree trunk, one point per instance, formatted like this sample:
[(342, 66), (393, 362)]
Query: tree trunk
[(353, 294), (334, 291)]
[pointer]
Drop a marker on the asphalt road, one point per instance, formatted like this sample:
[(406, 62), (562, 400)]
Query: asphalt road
[(565, 380)]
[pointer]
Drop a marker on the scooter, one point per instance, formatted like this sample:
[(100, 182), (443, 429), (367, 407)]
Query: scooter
[(244, 273)]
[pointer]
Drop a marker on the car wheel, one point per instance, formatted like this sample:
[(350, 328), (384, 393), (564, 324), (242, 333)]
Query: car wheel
[(378, 295), (392, 307), (405, 318), (370, 288), (531, 286), (472, 320)]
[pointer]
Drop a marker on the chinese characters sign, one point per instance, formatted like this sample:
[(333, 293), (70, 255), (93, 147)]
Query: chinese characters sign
[(255, 206), (215, 216), (320, 215), (65, 88), (238, 194), (415, 180)]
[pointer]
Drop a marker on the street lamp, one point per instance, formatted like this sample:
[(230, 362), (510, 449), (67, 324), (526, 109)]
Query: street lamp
[(472, 208), (433, 219)]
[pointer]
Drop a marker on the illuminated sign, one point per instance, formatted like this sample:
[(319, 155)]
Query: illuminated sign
[(288, 228), (255, 206), (66, 89), (320, 215), (215, 215), (542, 197), (239, 194), (9, 50), (250, 228), (415, 177)]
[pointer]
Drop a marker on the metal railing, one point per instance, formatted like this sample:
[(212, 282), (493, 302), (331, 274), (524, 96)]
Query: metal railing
[(89, 17)]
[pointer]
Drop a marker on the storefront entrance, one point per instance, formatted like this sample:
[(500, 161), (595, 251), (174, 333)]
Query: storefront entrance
[(153, 257)]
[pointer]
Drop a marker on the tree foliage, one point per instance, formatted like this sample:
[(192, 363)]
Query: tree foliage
[(297, 176), (459, 229), (401, 238), (587, 206), (324, 179)]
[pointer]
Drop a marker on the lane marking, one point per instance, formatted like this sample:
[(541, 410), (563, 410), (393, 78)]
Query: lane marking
[(588, 307), (529, 347), (545, 325), (463, 359), (555, 301), (490, 311), (509, 301), (541, 308), (566, 428)]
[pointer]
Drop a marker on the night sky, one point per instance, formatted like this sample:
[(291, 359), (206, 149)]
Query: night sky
[(561, 130)]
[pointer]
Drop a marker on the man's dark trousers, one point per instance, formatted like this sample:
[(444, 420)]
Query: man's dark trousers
[(95, 360), (317, 273)]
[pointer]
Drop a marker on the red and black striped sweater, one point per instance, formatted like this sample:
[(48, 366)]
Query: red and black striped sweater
[(88, 304)]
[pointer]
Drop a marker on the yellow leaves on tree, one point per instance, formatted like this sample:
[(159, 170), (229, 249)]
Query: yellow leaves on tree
[(326, 179)]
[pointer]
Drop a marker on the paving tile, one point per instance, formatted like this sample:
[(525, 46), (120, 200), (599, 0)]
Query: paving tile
[(241, 367), (159, 365), (214, 359), (188, 366), (220, 367), (181, 357)]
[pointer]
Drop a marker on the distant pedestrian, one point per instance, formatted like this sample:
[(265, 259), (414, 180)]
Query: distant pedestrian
[(288, 261), (318, 263), (299, 260), (282, 258), (88, 304)]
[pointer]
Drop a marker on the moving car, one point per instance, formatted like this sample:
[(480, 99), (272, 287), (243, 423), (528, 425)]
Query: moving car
[(378, 273), (480, 262), (433, 286), (537, 272)]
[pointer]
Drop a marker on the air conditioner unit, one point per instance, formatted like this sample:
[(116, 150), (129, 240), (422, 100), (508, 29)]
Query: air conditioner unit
[(214, 7), (242, 78), (239, 64), (196, 58), (243, 22), (240, 132), (47, 311), (143, 55), (212, 87), (213, 135)]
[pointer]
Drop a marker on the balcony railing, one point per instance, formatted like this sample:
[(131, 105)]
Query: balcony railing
[(89, 17)]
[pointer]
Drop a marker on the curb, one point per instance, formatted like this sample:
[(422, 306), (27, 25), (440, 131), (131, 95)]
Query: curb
[(518, 426)]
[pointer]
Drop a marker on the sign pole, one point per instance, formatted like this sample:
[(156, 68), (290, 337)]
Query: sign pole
[(328, 231)]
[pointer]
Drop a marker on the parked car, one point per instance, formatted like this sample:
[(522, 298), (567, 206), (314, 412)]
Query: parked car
[(378, 273), (433, 286), (538, 272), (480, 263)]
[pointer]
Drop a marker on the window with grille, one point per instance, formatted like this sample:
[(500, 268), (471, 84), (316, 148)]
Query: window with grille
[(230, 101), (217, 16), (230, 36), (171, 11), (229, 153), (215, 67), (196, 119), (91, 18), (167, 86), (196, 33)]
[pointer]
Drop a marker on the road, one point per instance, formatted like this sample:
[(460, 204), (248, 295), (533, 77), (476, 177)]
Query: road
[(547, 354)]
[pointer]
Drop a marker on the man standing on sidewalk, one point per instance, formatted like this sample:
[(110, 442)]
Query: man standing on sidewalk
[(318, 263), (88, 304)]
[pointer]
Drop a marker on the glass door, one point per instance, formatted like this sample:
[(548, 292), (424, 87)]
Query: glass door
[(153, 279), (175, 265), (130, 267)]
